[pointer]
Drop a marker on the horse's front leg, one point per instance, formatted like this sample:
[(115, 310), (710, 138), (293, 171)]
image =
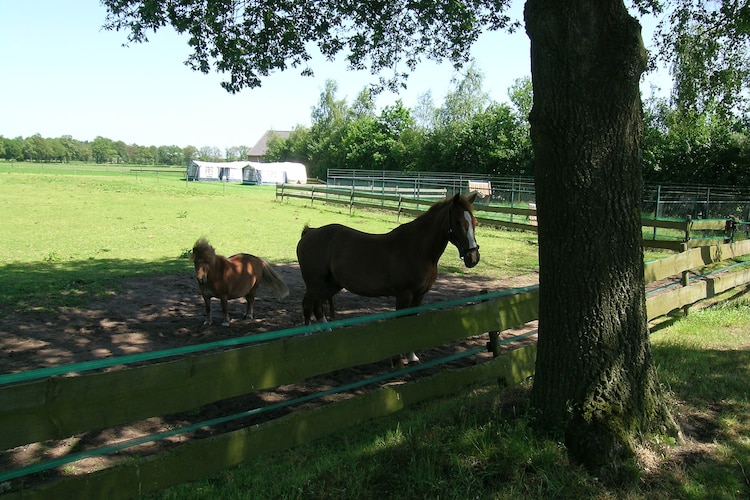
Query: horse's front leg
[(225, 310), (207, 302)]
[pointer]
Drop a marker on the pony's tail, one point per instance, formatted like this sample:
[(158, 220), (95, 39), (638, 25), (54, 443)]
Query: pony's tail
[(273, 281)]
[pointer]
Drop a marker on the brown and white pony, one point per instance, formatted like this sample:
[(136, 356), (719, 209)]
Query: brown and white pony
[(232, 278)]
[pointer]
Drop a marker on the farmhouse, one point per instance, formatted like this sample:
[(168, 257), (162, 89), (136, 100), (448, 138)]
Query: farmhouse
[(258, 152)]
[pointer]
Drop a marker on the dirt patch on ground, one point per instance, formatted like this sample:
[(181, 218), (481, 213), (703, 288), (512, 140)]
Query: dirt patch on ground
[(155, 313)]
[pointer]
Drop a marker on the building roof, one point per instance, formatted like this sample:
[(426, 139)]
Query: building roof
[(261, 147)]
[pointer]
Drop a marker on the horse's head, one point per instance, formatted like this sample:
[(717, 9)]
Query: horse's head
[(203, 255), (461, 232)]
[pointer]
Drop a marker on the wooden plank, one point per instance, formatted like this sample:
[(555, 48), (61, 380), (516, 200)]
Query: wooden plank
[(518, 365), (694, 258), (664, 303), (708, 224), (59, 407), (525, 212), (721, 284), (507, 224), (203, 457), (681, 225), (673, 245)]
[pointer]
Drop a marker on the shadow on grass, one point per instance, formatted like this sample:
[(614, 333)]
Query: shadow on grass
[(710, 389), (49, 285)]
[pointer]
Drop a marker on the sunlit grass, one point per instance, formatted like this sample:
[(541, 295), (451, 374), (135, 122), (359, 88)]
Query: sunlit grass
[(69, 238)]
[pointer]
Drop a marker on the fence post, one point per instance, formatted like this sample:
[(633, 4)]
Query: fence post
[(685, 280), (351, 201), (312, 196), (688, 227), (398, 209), (493, 345), (657, 212)]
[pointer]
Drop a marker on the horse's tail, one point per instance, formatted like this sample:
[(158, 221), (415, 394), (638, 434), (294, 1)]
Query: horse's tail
[(305, 230), (273, 281)]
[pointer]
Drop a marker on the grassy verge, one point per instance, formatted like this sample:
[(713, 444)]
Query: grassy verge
[(479, 444)]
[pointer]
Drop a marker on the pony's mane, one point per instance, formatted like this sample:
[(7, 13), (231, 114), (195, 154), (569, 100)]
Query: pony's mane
[(202, 247)]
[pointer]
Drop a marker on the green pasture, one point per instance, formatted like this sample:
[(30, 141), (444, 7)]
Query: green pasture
[(68, 238)]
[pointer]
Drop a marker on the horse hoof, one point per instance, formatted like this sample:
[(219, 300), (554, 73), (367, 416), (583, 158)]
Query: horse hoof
[(225, 323), (207, 323), (413, 358)]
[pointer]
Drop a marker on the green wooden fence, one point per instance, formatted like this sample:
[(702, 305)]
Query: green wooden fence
[(49, 404)]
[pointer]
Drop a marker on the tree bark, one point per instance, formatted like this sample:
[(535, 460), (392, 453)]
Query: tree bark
[(595, 379)]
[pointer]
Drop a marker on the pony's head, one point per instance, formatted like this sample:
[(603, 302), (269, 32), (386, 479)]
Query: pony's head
[(461, 229), (203, 256)]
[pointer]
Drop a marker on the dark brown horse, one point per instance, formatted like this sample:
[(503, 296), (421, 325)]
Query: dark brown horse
[(402, 263), (232, 278)]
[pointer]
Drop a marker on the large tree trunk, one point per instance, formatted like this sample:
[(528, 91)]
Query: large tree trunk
[(595, 379)]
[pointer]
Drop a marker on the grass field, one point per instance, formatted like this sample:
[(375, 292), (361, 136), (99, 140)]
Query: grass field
[(70, 236)]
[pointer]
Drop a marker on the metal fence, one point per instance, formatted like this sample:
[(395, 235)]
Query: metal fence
[(512, 191), (661, 201)]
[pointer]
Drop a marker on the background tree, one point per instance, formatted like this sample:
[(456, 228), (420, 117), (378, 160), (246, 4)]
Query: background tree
[(295, 148), (14, 148), (103, 150), (595, 379), (706, 46), (189, 153)]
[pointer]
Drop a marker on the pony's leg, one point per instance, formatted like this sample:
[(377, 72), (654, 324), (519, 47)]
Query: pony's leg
[(225, 310), (249, 309), (207, 301)]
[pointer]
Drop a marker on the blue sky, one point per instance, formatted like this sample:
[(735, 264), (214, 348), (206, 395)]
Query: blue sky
[(62, 74)]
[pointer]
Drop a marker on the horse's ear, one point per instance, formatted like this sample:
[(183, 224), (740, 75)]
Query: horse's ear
[(473, 197)]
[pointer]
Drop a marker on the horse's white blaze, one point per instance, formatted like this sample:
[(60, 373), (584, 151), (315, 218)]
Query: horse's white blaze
[(470, 231)]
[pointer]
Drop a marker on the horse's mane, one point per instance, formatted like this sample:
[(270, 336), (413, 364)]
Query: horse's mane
[(202, 247), (457, 198)]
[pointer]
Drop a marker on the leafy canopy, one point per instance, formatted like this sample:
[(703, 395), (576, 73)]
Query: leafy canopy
[(249, 39)]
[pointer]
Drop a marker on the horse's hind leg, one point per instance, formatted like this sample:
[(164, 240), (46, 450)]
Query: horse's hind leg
[(308, 304), (250, 303), (331, 309)]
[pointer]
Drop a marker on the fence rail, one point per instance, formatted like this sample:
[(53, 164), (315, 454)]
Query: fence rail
[(680, 234), (676, 201), (35, 407)]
